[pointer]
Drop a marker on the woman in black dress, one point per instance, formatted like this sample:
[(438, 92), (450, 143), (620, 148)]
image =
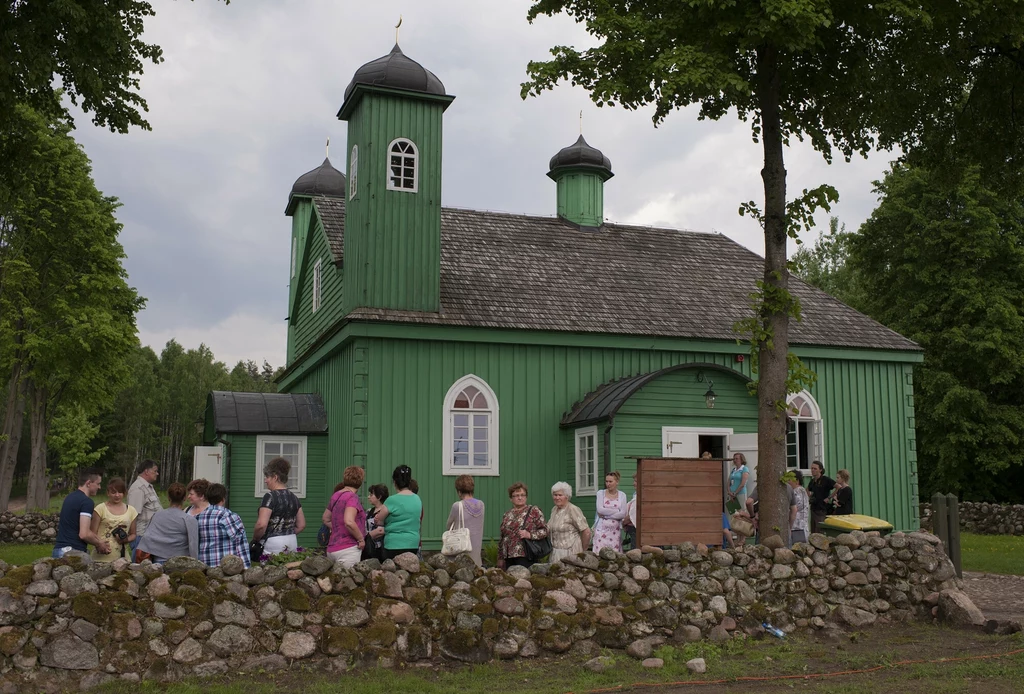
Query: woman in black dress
[(840, 501)]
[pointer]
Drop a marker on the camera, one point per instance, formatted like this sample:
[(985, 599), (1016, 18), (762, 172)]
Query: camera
[(120, 534)]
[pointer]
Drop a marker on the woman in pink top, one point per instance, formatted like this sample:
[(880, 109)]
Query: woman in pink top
[(347, 519)]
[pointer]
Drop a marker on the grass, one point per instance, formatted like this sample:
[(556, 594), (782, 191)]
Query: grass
[(57, 501), (996, 554), (19, 555)]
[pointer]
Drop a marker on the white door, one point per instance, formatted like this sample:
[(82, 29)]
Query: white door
[(747, 445), (208, 463), (684, 442)]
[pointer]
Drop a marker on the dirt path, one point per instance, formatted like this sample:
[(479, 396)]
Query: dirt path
[(997, 596), (16, 505)]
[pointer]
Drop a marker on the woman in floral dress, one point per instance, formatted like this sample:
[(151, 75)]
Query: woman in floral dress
[(611, 509)]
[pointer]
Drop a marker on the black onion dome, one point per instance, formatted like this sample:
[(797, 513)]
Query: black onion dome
[(323, 180), (580, 154), (398, 71)]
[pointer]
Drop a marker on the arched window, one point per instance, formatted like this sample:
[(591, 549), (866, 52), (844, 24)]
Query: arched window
[(804, 439), (353, 172), (403, 166), (470, 429)]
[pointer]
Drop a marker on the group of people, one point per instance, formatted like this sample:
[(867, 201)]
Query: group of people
[(808, 506), (132, 523)]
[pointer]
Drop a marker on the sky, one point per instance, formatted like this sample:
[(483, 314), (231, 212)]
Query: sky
[(247, 96)]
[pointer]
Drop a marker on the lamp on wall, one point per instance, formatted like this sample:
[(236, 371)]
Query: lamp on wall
[(709, 397)]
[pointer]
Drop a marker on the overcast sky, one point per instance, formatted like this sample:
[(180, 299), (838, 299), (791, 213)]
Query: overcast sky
[(248, 94)]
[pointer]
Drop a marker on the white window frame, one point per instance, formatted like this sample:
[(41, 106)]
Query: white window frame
[(316, 284), (297, 475), (582, 489), (448, 466), (414, 155), (353, 172), (817, 430)]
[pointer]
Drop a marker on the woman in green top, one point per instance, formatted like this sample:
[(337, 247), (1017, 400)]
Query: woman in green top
[(400, 516)]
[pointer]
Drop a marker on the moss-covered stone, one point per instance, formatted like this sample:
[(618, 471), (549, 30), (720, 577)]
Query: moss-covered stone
[(340, 640), (284, 584), (171, 600), (329, 603), (192, 577), (623, 598), (521, 624), (358, 596), (417, 599), (118, 601), (483, 608), (198, 602), (295, 600), (90, 607), (380, 633), (17, 579), (490, 627), (545, 583), (12, 641), (172, 627)]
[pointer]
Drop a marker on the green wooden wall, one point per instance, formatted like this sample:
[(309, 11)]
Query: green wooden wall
[(675, 399), (580, 197), (384, 399), (393, 238), (305, 326), (242, 482)]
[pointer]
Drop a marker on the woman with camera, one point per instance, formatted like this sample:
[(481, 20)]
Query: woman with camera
[(114, 522)]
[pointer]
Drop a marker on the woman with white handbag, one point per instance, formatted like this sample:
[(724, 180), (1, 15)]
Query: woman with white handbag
[(465, 522)]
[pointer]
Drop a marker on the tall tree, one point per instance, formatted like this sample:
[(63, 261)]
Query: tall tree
[(66, 310), (942, 261), (845, 75)]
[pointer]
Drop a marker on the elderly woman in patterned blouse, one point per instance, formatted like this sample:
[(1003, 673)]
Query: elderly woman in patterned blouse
[(567, 526)]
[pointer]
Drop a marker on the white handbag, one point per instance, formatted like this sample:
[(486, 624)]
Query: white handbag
[(456, 540)]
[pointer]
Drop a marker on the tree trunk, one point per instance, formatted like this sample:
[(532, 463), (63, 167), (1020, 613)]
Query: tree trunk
[(38, 496), (772, 351), (14, 417)]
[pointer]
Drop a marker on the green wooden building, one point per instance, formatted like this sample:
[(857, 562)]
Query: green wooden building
[(540, 349)]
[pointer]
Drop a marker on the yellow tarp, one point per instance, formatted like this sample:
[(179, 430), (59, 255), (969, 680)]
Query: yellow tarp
[(855, 521)]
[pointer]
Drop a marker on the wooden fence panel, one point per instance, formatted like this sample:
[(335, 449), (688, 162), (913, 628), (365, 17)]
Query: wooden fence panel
[(679, 500)]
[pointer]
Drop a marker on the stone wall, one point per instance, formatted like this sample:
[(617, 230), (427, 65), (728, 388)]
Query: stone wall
[(983, 518), (67, 622), (28, 528)]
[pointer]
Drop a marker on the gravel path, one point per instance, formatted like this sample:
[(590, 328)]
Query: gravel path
[(997, 596)]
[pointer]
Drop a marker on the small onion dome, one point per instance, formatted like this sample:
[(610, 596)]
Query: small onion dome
[(397, 71), (581, 155), (323, 180)]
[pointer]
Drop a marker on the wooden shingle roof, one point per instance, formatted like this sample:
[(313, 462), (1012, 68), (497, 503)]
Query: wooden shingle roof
[(541, 273)]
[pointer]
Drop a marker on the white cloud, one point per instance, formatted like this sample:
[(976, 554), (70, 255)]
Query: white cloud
[(239, 337)]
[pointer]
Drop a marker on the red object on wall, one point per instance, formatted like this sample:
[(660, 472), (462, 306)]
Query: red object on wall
[(739, 358)]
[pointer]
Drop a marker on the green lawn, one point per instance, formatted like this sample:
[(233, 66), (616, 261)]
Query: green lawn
[(19, 555), (57, 500), (996, 554)]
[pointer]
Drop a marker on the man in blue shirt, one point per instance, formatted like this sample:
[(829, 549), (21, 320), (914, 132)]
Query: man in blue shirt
[(74, 529), (221, 532)]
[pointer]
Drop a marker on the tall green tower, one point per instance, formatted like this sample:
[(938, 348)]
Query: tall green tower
[(394, 109), (580, 171)]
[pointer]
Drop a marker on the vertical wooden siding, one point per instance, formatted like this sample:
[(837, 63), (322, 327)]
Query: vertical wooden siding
[(534, 385), (393, 238), (300, 226), (384, 401), (306, 326), (676, 399), (867, 413), (242, 484)]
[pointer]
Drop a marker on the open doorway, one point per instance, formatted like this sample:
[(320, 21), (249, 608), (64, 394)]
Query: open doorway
[(713, 444)]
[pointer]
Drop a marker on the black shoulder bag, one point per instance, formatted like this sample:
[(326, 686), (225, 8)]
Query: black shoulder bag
[(535, 549)]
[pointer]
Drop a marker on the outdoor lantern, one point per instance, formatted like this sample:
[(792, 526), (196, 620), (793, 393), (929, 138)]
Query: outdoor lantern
[(709, 397)]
